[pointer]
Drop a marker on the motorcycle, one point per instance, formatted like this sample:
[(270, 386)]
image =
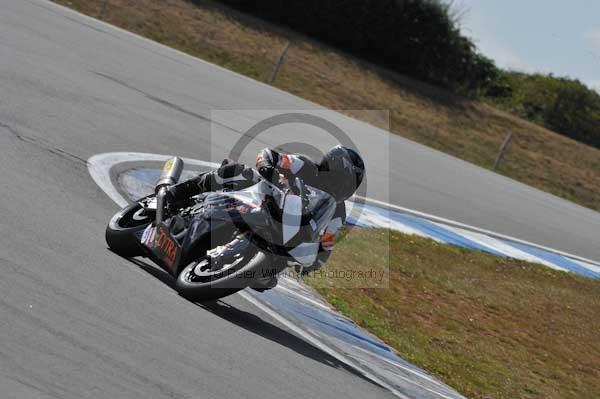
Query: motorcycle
[(218, 243)]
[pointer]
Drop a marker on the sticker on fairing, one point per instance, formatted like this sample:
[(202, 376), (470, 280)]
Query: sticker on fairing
[(148, 236), (168, 166), (165, 246)]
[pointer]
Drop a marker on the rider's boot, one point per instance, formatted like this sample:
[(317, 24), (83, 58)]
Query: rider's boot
[(263, 284)]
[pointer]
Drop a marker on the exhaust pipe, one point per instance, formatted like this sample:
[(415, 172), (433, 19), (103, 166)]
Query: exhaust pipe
[(170, 175)]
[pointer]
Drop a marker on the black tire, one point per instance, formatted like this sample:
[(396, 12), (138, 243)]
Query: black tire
[(120, 232), (230, 284)]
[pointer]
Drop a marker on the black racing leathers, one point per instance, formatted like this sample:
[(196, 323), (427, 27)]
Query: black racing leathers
[(231, 176)]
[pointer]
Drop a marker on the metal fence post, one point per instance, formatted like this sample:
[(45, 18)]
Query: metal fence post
[(501, 151), (101, 14), (278, 63)]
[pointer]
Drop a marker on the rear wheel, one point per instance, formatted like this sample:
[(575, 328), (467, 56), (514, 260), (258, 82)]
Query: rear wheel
[(122, 230)]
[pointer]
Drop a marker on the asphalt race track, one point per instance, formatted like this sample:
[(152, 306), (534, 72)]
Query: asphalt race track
[(77, 321)]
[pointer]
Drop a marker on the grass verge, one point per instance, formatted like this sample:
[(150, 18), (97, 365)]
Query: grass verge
[(488, 326), (469, 130)]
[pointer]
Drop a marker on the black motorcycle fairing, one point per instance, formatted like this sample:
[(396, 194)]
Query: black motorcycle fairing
[(215, 218)]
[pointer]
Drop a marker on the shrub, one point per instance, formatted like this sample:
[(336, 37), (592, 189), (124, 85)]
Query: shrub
[(418, 38), (561, 104)]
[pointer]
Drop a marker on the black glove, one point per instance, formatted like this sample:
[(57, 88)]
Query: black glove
[(271, 174)]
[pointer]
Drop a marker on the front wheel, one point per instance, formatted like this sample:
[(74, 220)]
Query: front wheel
[(202, 281), (123, 230)]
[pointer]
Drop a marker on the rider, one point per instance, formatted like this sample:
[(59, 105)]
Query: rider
[(339, 174)]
